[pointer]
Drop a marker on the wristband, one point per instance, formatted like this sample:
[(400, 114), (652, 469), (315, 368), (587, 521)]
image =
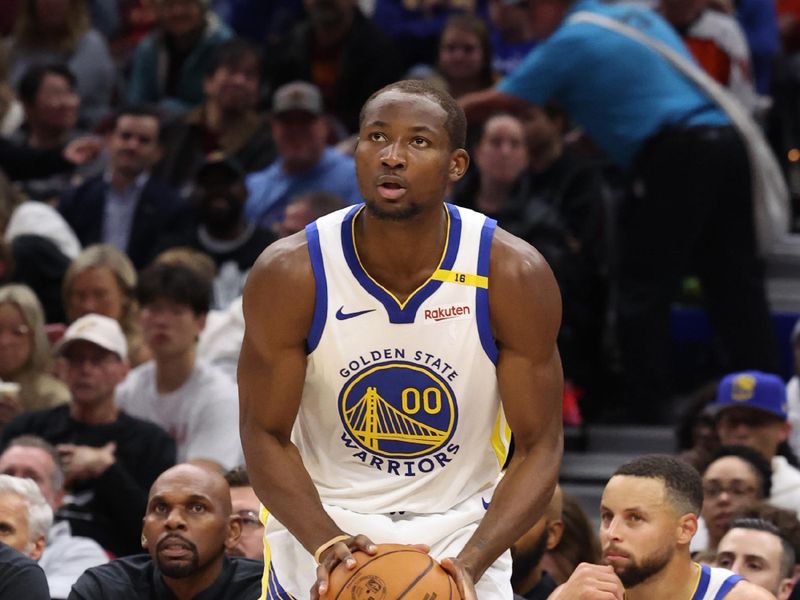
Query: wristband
[(328, 544)]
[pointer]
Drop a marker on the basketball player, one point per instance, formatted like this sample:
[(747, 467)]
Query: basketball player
[(379, 344), (648, 516)]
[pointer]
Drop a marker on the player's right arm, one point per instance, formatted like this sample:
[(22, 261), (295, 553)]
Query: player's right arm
[(278, 309)]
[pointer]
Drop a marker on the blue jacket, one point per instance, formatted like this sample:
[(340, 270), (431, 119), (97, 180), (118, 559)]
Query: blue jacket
[(270, 190), (160, 215)]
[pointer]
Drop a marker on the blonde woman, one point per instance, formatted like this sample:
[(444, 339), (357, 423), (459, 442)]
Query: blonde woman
[(25, 354), (102, 280), (49, 31)]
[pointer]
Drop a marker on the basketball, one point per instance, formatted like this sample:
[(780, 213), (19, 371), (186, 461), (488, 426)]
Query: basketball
[(395, 572)]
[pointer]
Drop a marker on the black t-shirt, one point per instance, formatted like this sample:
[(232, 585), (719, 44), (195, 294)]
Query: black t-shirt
[(138, 577), (109, 508), (21, 577), (542, 590)]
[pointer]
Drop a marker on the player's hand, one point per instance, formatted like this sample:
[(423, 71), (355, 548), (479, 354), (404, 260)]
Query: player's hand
[(85, 462), (591, 582), (340, 552), (463, 578)]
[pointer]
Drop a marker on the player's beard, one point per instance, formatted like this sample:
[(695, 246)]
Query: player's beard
[(526, 560), (179, 571), (639, 571), (409, 211)]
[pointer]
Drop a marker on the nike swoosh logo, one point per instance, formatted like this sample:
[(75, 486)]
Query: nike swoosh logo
[(485, 504), (342, 316)]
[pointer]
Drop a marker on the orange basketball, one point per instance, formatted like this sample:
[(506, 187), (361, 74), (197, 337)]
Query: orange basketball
[(395, 572)]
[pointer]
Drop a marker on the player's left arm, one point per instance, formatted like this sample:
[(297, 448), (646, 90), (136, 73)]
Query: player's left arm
[(744, 590), (525, 311)]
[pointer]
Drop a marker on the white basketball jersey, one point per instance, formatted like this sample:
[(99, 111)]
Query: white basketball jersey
[(400, 409), (714, 583)]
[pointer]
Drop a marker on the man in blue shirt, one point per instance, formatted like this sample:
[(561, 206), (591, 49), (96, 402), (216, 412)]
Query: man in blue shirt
[(690, 204), (305, 162)]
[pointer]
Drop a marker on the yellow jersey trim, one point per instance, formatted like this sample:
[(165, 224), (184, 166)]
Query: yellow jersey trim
[(697, 582), (501, 437), (478, 281), (269, 576)]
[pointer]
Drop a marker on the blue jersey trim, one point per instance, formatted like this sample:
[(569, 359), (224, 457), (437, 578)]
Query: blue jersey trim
[(482, 294), (276, 591), (397, 313), (320, 285), (702, 585), (726, 586)]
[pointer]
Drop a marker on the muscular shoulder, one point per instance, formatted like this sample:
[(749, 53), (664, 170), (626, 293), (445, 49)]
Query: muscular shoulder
[(744, 590), (513, 256), (517, 267), (522, 289), (280, 288), (284, 261)]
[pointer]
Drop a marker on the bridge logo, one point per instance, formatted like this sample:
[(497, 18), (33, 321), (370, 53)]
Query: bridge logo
[(398, 410)]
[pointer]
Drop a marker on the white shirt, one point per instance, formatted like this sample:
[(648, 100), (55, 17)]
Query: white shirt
[(221, 339), (202, 415), (793, 408), (66, 557), (38, 218), (785, 485)]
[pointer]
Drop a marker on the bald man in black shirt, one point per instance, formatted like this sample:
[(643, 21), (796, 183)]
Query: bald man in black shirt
[(187, 529)]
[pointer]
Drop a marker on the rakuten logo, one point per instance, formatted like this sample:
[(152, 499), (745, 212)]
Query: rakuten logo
[(442, 313)]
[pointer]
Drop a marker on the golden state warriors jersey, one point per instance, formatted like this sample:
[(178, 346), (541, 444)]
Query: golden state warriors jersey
[(714, 583), (400, 409)]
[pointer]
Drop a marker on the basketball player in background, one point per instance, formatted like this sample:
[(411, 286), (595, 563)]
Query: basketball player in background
[(648, 516), (388, 349)]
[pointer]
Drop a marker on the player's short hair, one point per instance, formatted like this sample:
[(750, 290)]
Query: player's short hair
[(40, 515), (456, 121), (175, 283), (755, 460), (787, 551), (682, 482)]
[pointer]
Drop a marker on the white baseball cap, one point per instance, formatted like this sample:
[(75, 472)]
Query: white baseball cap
[(97, 329)]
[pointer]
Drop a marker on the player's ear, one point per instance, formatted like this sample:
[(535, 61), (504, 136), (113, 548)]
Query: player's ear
[(459, 161), (687, 527), (234, 532)]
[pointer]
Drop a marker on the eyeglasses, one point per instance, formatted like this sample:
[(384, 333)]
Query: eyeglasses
[(736, 489), (250, 519)]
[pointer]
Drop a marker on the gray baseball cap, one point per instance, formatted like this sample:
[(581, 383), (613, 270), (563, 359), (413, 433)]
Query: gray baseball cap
[(297, 96)]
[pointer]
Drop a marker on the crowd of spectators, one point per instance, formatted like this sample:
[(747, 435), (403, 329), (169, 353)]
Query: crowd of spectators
[(150, 150)]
